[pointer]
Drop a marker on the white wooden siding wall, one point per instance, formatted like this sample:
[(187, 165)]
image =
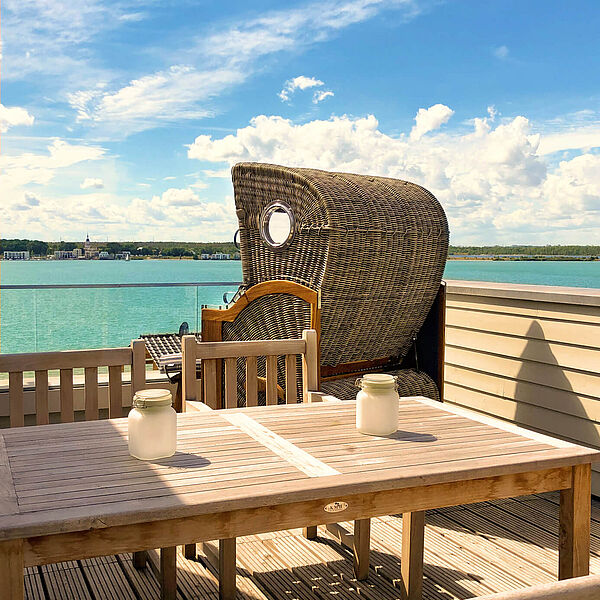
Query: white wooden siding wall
[(529, 354)]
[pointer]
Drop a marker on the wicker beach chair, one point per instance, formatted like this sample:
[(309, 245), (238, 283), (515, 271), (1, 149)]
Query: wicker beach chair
[(362, 263)]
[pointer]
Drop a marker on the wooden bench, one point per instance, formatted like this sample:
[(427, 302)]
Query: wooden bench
[(580, 588)]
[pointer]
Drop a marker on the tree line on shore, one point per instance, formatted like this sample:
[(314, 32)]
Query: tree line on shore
[(529, 251), (191, 249), (142, 249)]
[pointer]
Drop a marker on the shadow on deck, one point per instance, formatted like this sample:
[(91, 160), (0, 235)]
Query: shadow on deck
[(469, 551)]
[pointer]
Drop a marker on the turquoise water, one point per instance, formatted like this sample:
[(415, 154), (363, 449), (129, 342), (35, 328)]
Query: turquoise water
[(65, 319), (43, 320), (562, 273)]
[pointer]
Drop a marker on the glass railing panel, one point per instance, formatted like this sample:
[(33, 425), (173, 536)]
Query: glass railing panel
[(70, 317)]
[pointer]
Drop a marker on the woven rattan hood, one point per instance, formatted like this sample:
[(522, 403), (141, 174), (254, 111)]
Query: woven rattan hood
[(375, 248)]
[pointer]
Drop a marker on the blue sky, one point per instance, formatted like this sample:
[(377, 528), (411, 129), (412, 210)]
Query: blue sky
[(123, 118)]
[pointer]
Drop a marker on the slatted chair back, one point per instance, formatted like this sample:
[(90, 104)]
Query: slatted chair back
[(65, 362), (211, 353)]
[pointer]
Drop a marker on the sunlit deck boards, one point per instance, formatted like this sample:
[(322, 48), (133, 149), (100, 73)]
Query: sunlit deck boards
[(469, 551)]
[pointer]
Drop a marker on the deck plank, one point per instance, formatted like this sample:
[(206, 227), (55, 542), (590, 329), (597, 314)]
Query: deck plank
[(34, 590), (65, 581)]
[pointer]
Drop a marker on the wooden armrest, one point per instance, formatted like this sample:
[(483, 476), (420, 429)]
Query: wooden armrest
[(321, 397), (194, 406)]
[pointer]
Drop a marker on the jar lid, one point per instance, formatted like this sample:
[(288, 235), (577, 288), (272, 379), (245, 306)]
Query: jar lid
[(152, 398), (377, 380)]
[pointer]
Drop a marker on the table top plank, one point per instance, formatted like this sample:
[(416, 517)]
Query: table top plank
[(79, 476), (8, 496), (102, 515)]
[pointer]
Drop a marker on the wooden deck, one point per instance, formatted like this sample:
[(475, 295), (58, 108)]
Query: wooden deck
[(469, 551)]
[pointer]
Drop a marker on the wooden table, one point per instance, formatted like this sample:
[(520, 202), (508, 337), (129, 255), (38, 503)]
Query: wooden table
[(72, 491)]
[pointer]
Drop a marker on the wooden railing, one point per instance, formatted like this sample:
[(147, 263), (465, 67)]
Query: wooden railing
[(580, 588), (212, 353), (65, 362)]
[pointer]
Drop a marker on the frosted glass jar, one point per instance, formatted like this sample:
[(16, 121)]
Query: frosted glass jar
[(377, 404), (152, 425)]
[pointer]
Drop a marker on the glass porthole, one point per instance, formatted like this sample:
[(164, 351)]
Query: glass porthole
[(277, 225)]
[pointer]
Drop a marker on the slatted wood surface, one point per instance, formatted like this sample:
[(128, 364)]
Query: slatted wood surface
[(529, 354), (67, 476), (65, 362), (471, 550)]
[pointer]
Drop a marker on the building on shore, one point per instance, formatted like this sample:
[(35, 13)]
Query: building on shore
[(16, 255), (63, 254), (215, 256), (90, 251)]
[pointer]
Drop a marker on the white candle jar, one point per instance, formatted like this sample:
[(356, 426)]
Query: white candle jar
[(377, 404), (152, 425)]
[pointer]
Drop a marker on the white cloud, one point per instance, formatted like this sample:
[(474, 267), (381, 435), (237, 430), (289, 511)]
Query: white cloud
[(298, 83), (51, 38), (175, 214), (217, 173), (91, 182), (13, 116), (228, 57), (579, 138), (501, 52), (492, 180), (199, 185), (428, 119), (320, 95), (180, 197), (22, 170), (166, 96)]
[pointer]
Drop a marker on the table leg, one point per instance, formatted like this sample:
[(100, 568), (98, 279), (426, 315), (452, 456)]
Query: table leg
[(139, 559), (411, 565), (227, 571), (575, 517), (189, 551), (168, 573), (361, 544), (12, 583), (178, 401)]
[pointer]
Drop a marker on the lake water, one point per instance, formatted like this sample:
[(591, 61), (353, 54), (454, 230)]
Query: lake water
[(60, 319)]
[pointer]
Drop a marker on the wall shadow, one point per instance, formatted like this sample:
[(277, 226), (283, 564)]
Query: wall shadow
[(501, 518)]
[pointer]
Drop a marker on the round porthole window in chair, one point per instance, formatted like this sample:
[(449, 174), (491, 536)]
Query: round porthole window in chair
[(277, 225)]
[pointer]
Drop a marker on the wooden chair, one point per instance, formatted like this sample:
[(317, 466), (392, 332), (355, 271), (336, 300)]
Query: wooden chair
[(579, 588), (44, 403), (249, 318), (249, 353)]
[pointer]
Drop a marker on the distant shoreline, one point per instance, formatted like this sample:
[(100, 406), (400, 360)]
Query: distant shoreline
[(527, 258), (491, 257)]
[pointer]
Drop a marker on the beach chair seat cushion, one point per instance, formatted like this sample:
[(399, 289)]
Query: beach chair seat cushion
[(410, 383)]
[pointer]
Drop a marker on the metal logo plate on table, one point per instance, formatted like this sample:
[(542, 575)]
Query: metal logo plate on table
[(336, 507)]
